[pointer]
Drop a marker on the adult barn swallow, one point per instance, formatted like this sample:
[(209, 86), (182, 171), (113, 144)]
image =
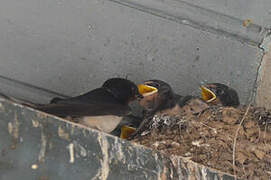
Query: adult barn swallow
[(102, 108), (114, 90)]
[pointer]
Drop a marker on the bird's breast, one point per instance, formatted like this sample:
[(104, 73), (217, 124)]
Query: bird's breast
[(106, 123)]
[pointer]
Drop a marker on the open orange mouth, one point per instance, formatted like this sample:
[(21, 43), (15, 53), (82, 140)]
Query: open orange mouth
[(207, 94), (146, 90), (126, 131)]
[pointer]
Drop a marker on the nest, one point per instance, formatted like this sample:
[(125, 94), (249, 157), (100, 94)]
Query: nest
[(233, 140)]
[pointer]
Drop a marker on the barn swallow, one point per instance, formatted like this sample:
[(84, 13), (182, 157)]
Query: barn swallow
[(157, 96), (217, 93), (102, 108), (158, 100), (114, 90), (127, 126), (163, 105)]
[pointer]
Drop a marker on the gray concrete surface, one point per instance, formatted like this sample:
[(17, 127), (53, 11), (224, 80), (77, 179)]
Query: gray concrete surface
[(72, 46), (258, 11), (69, 47)]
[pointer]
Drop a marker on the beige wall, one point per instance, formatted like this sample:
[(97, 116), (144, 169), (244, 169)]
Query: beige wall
[(263, 96)]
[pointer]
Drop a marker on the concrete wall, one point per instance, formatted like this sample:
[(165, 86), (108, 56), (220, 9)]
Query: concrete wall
[(258, 11), (72, 46)]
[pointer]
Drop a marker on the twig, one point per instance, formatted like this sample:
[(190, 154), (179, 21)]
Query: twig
[(208, 127), (259, 138), (264, 140), (235, 139)]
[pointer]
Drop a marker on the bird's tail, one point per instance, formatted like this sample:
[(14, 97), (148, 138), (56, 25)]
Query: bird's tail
[(18, 101)]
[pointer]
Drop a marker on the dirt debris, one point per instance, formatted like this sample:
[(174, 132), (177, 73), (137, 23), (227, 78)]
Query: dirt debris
[(208, 138)]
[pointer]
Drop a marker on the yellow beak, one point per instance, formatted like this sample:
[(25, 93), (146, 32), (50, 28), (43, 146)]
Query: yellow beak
[(207, 94), (126, 131), (146, 90)]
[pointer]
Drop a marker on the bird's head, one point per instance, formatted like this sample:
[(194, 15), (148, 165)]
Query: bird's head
[(157, 95), (123, 90), (217, 93)]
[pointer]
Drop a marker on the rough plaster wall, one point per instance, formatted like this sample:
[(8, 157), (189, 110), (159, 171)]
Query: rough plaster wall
[(263, 97), (72, 46), (258, 11)]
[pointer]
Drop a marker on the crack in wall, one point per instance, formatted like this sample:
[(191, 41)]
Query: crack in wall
[(263, 48)]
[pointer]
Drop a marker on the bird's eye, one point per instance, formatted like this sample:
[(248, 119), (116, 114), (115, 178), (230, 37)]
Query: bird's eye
[(219, 91), (153, 84)]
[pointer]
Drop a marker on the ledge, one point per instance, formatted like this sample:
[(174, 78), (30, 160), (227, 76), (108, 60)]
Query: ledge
[(200, 18), (35, 145)]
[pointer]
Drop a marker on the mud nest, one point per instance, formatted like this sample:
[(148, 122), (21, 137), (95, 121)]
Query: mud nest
[(233, 140)]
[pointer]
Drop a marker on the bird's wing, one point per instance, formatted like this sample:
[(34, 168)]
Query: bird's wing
[(83, 109), (96, 95)]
